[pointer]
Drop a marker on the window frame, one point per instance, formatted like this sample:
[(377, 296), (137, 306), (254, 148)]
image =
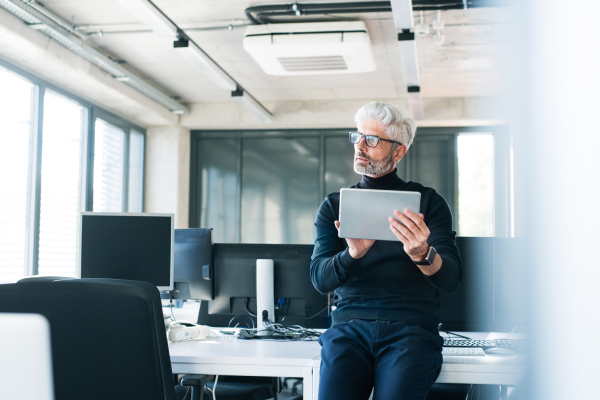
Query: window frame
[(92, 112)]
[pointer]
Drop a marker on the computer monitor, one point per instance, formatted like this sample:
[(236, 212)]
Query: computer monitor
[(127, 246), (193, 264), (235, 282), (471, 306)]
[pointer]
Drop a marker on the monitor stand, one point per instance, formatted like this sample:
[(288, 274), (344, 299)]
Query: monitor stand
[(265, 294)]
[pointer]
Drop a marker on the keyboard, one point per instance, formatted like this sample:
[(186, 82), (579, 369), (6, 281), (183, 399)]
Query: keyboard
[(463, 351), (468, 343), (517, 345)]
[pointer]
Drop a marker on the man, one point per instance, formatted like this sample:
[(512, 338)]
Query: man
[(384, 334)]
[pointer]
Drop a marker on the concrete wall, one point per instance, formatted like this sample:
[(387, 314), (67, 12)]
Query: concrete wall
[(439, 111), (168, 172)]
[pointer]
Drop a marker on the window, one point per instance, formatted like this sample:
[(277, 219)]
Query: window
[(62, 188), (475, 184), (135, 195), (46, 172), (109, 151), (17, 155), (118, 168)]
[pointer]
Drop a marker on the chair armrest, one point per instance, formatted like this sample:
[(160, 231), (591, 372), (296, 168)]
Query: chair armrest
[(196, 380)]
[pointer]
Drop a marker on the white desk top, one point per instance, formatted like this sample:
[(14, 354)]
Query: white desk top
[(249, 357), (233, 351)]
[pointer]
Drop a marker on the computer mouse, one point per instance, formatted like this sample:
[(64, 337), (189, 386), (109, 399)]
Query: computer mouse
[(499, 351)]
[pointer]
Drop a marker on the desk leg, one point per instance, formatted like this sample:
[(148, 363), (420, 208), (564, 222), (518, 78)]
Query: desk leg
[(307, 384), (316, 375), (503, 392)]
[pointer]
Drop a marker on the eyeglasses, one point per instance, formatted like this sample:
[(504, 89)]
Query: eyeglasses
[(370, 140)]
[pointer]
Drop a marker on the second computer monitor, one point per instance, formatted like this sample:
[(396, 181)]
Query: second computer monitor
[(235, 281), (193, 264)]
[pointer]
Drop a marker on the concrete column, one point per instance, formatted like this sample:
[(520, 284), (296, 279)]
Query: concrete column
[(167, 188)]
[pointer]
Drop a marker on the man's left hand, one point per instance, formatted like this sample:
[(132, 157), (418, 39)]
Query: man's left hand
[(413, 234)]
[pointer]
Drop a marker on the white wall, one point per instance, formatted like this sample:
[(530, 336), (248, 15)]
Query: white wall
[(168, 172)]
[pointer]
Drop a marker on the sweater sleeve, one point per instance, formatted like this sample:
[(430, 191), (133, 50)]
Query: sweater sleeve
[(331, 264), (443, 239)]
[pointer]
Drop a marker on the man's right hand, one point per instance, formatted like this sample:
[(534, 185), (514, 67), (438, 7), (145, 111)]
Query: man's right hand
[(357, 248)]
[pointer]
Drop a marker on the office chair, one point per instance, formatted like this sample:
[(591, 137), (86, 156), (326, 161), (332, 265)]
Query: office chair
[(108, 337)]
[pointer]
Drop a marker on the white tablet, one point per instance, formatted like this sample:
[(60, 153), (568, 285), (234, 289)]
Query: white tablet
[(364, 213)]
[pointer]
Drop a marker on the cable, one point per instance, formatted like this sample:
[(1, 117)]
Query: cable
[(511, 332), (312, 316), (308, 310), (319, 306), (246, 301), (456, 334), (171, 305), (231, 320), (212, 391), (293, 332)]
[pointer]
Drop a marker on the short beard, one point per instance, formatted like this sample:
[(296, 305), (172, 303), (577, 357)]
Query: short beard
[(374, 168)]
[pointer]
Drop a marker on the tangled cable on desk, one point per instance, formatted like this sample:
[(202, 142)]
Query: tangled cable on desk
[(292, 332)]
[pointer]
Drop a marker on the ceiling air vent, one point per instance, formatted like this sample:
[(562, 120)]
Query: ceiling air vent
[(316, 48), (324, 63)]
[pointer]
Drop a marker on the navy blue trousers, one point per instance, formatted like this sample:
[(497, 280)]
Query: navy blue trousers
[(399, 360)]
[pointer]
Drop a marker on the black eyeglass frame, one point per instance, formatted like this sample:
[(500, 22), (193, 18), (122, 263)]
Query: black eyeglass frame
[(369, 136)]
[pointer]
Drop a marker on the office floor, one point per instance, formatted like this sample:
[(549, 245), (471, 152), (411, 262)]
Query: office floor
[(291, 390)]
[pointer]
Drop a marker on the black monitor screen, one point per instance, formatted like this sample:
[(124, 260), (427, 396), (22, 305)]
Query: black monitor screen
[(235, 281), (193, 264), (471, 306), (127, 246)]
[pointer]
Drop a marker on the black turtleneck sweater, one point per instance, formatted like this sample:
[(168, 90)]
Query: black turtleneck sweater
[(385, 284)]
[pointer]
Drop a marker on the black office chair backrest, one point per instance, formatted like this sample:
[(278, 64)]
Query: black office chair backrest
[(108, 336)]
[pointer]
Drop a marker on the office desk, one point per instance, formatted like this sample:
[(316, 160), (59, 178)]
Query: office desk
[(228, 356)]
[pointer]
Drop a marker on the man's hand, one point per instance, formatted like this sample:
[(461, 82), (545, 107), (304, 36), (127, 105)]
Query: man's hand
[(356, 247), (413, 234)]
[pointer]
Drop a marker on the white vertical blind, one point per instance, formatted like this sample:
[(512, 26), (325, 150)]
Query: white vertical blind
[(136, 172), (16, 161), (109, 157), (62, 183), (475, 184)]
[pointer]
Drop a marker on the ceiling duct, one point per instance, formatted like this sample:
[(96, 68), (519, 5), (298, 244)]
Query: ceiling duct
[(317, 48), (266, 13)]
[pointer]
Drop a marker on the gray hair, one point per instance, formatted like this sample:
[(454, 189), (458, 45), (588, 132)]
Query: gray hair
[(397, 126)]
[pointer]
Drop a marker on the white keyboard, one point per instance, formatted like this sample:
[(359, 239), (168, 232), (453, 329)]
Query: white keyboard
[(463, 351)]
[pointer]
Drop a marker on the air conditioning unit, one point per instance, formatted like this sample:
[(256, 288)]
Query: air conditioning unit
[(316, 48)]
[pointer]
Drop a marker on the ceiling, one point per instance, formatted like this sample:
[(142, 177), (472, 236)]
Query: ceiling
[(470, 63)]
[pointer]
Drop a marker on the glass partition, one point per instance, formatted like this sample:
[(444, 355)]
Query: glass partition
[(280, 190)]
